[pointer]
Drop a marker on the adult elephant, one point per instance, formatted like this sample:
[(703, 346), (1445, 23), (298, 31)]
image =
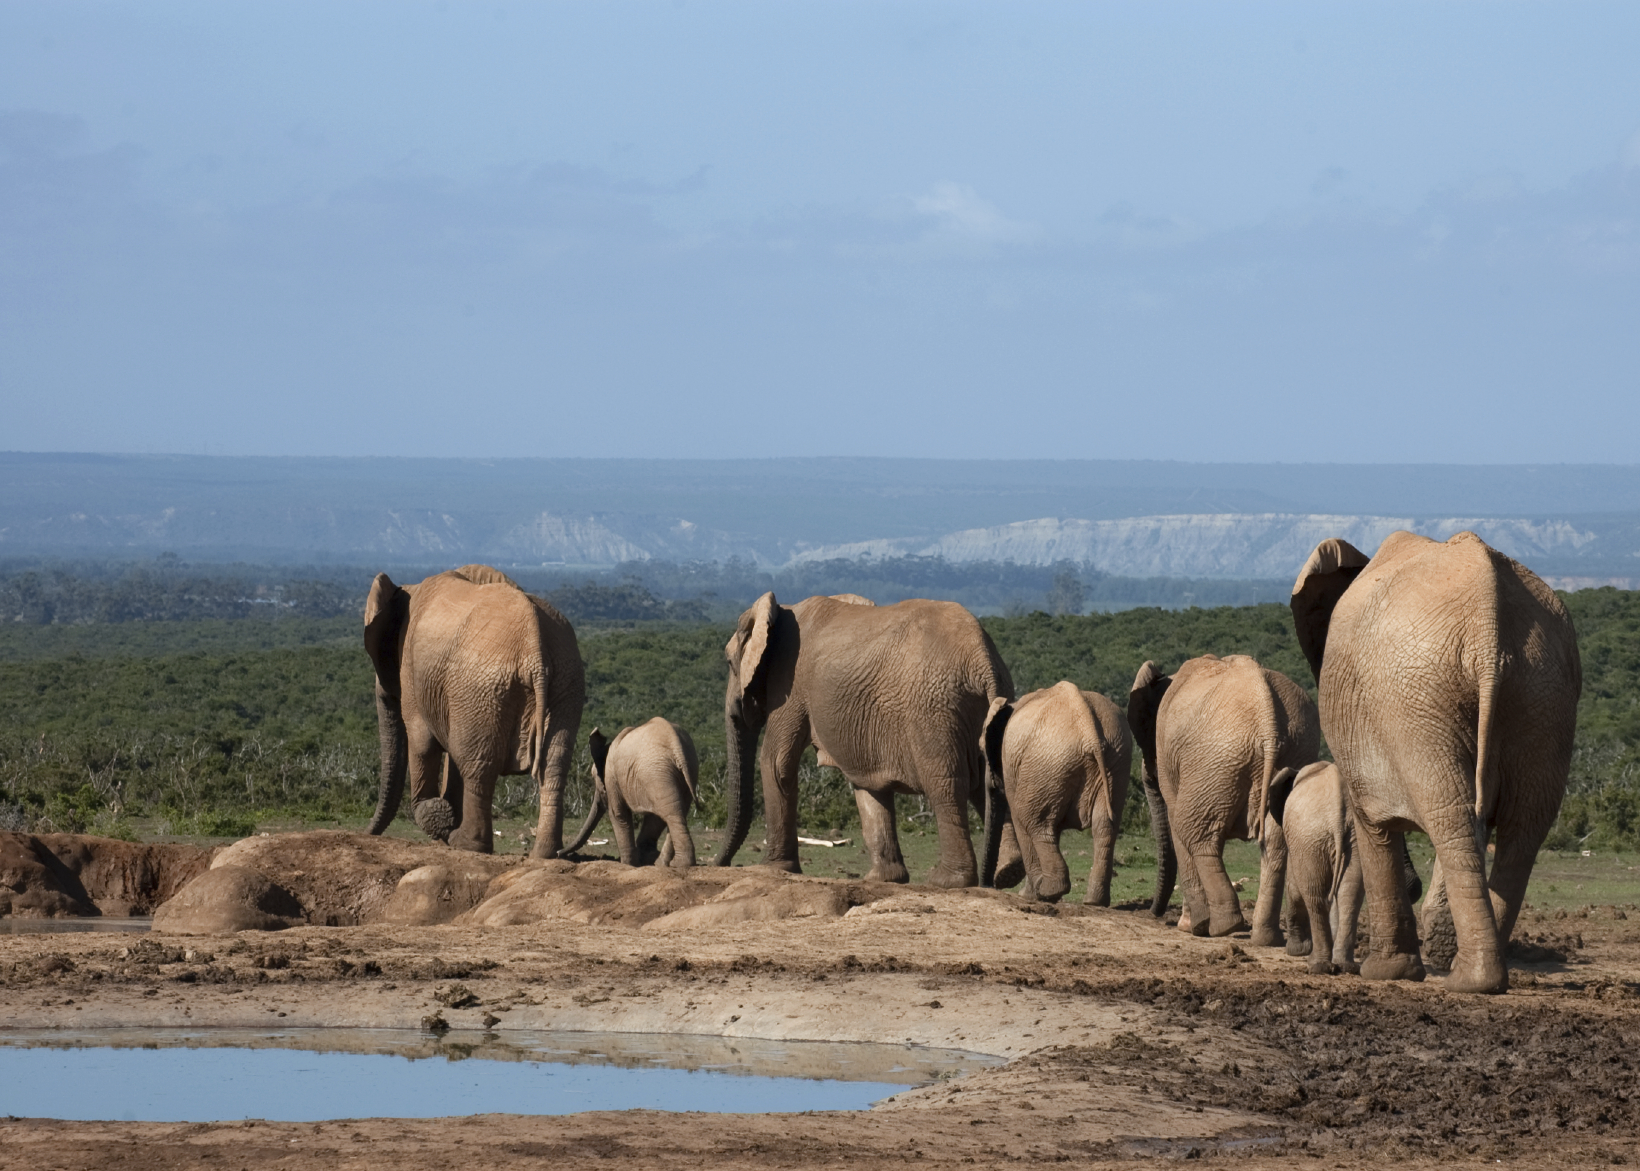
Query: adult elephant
[(1449, 679), (1214, 734), (474, 678), (1061, 757), (645, 779), (894, 696)]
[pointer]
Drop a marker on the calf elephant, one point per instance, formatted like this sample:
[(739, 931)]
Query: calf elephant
[(1324, 891), (476, 678), (1062, 757), (1449, 678), (645, 778), (894, 696), (1213, 736)]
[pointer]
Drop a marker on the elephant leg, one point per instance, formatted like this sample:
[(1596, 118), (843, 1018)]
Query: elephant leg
[(430, 810), (1223, 904), (1010, 862), (650, 828), (1389, 912), (1194, 918), (1299, 941), (877, 828), (1050, 876), (1272, 883), (1440, 938), (474, 831), (1478, 966), (680, 846), (780, 759), (957, 867), (454, 788), (1347, 912), (620, 822), (1103, 834), (549, 827)]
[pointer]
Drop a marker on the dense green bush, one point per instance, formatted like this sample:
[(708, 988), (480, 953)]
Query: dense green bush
[(210, 725)]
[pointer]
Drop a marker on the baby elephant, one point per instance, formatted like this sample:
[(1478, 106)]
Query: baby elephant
[(1324, 885), (650, 771), (1061, 757)]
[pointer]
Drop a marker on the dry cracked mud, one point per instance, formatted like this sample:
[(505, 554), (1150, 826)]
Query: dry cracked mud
[(1127, 1040)]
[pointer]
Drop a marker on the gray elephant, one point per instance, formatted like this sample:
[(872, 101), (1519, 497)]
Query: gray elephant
[(1214, 734), (1449, 678), (646, 779), (1062, 757), (474, 679), (894, 696)]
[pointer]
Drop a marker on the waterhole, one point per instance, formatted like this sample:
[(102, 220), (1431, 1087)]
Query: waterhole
[(10, 925), (313, 1075)]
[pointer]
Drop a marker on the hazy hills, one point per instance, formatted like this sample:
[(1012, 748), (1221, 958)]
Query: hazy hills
[(1124, 517)]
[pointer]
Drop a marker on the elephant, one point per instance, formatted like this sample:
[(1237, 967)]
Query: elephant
[(1448, 677), (475, 675), (1324, 890), (649, 770), (894, 696), (1214, 735), (1062, 758)]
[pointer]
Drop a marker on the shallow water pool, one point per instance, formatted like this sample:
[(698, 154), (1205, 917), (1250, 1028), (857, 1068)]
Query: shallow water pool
[(314, 1075)]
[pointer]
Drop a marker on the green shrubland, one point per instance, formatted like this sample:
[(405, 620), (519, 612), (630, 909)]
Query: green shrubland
[(212, 726)]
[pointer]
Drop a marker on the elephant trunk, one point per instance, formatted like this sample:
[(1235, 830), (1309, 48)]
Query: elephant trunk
[(600, 804), (737, 785), (395, 744), (1167, 862)]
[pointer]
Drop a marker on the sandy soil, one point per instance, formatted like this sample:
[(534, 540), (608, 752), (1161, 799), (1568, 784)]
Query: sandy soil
[(1128, 1041)]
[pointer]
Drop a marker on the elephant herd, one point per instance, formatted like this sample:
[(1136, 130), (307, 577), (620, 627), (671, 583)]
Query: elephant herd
[(1447, 680)]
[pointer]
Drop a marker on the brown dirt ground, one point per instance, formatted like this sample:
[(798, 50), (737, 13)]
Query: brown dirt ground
[(1129, 1041)]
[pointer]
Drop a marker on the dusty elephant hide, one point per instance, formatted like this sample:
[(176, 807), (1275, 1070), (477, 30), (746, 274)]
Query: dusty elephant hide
[(54, 876)]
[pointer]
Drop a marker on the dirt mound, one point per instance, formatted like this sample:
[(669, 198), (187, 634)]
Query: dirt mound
[(770, 896), (51, 876), (226, 899), (594, 893), (343, 879)]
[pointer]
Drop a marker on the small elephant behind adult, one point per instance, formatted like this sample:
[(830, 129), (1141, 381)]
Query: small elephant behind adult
[(1214, 734), (646, 780), (1062, 757), (1324, 886)]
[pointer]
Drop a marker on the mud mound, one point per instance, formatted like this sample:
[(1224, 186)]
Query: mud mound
[(226, 899), (762, 897), (342, 879), (50, 876), (594, 893)]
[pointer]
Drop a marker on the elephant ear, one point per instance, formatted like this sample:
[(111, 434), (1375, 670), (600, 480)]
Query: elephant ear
[(996, 726), (1144, 698), (598, 746), (1325, 576), (751, 656), (1281, 787), (385, 612)]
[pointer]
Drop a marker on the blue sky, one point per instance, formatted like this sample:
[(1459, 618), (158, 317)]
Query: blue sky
[(1221, 231)]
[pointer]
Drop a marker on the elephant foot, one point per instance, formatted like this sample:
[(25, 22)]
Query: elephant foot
[(1218, 929), (784, 865), (1010, 875), (943, 875), (1322, 968), (436, 818), (888, 872), (1099, 898), (1483, 975), (540, 853), (464, 839), (1268, 937), (1298, 947), (1397, 966)]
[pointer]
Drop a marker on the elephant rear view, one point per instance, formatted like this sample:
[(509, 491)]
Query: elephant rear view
[(646, 779), (474, 679), (1062, 757), (1214, 734), (894, 696), (1449, 678), (1323, 869)]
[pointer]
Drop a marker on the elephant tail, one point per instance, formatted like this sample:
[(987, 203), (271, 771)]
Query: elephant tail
[(1486, 773), (1269, 734), (600, 805)]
